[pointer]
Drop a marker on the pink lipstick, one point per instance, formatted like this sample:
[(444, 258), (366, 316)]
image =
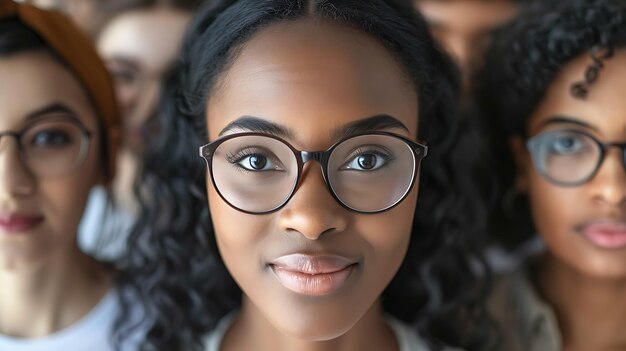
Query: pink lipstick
[(312, 275), (606, 234), (15, 224)]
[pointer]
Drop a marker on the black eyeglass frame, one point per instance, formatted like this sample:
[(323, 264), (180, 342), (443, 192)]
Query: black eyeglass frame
[(85, 135), (420, 151), (533, 143)]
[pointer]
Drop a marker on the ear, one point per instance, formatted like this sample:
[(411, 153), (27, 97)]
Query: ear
[(522, 162)]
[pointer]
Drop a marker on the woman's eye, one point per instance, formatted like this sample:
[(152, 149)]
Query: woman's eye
[(566, 145), (256, 162), (51, 138), (124, 76), (367, 161)]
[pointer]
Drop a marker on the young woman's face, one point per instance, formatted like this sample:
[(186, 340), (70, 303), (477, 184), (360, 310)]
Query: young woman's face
[(41, 203), (312, 79), (138, 47), (583, 225)]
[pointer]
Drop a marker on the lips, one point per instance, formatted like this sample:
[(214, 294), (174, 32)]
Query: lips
[(312, 275), (606, 234), (15, 224)]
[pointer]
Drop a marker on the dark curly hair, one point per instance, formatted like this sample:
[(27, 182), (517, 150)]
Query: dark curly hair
[(523, 60), (173, 267)]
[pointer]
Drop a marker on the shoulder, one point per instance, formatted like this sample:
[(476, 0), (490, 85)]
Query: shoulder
[(525, 321)]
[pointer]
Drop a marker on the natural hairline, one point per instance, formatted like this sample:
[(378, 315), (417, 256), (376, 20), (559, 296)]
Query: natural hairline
[(225, 62)]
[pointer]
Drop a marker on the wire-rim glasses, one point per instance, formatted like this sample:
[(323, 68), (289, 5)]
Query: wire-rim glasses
[(258, 173), (52, 146)]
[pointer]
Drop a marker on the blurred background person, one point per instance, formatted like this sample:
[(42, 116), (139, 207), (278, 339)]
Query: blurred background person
[(55, 145), (138, 45), (552, 95), (462, 27)]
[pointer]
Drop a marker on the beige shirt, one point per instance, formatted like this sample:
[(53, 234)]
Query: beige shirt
[(526, 322)]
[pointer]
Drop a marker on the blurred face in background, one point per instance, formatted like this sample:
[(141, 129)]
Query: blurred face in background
[(138, 47), (45, 177), (582, 221), (462, 26)]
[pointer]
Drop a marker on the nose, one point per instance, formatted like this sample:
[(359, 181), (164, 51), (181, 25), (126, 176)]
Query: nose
[(15, 179), (146, 101), (312, 211), (609, 184)]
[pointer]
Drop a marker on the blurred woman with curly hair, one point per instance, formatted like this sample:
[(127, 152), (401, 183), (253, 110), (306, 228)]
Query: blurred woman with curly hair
[(553, 95)]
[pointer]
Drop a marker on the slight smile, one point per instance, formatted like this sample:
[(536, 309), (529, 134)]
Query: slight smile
[(312, 275)]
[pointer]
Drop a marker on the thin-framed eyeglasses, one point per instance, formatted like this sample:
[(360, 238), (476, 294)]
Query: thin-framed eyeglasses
[(52, 146), (569, 157), (258, 173)]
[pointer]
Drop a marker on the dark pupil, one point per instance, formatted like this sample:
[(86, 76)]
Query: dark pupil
[(367, 161), (258, 161), (567, 142), (51, 138)]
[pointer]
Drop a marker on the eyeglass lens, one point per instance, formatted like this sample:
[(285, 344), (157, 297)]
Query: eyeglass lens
[(53, 147), (566, 157), (367, 173)]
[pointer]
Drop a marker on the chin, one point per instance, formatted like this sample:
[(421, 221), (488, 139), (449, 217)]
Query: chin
[(314, 329), (605, 267), (17, 260)]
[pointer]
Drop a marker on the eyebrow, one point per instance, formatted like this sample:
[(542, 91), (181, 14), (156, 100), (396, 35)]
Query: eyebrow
[(369, 124), (123, 60), (49, 109), (568, 120), (257, 125)]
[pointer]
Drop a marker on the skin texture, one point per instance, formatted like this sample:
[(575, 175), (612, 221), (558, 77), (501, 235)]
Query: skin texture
[(462, 26), (48, 283), (340, 76), (138, 47), (581, 280)]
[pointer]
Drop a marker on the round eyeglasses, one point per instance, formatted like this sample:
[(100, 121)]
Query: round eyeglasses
[(569, 157), (52, 147), (368, 173)]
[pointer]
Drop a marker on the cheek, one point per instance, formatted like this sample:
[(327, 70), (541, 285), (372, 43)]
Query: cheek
[(64, 199), (126, 95), (557, 213), (552, 208), (386, 236), (237, 234)]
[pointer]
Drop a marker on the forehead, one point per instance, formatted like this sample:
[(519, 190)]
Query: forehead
[(312, 77), (467, 15), (605, 105), (32, 80), (149, 37)]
